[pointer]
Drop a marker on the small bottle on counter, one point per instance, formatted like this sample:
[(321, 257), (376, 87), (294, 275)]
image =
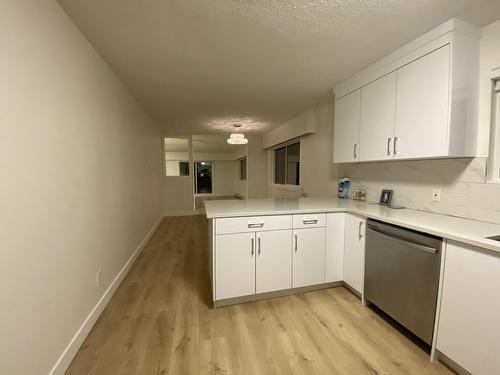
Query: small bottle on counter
[(344, 188)]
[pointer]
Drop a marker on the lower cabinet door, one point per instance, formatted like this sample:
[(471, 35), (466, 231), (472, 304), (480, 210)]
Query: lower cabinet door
[(309, 256), (468, 330), (274, 261), (354, 252), (335, 232), (235, 265)]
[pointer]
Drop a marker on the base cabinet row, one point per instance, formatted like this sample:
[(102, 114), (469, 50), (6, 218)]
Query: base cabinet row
[(330, 249), (264, 261), (267, 261)]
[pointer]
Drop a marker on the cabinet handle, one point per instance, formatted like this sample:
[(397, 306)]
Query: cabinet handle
[(396, 144), (255, 225), (310, 221), (253, 246), (258, 241), (360, 230), (295, 242), (355, 151), (389, 148)]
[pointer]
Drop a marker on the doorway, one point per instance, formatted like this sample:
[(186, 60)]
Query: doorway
[(203, 181)]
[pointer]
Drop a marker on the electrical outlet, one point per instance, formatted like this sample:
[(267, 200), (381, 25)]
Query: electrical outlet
[(98, 278), (436, 195)]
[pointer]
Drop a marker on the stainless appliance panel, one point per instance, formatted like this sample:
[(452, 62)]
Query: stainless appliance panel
[(402, 275)]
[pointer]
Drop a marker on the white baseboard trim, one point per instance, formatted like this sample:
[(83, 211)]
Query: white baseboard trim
[(179, 213), (76, 342)]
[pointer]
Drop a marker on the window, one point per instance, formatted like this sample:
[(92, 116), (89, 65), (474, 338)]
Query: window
[(184, 168), (176, 157), (287, 165), (243, 169), (176, 168), (494, 154)]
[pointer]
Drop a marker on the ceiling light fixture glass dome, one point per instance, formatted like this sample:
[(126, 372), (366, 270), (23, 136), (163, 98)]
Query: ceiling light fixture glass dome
[(237, 139)]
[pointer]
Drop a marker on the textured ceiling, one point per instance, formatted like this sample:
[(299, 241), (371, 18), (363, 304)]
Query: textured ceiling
[(197, 66), (214, 143)]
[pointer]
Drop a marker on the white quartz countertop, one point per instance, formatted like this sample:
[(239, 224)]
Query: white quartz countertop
[(472, 232)]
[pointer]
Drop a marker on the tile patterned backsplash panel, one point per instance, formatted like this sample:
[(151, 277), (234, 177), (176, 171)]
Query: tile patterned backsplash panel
[(462, 181)]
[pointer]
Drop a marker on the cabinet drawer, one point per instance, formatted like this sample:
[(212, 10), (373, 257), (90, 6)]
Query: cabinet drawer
[(309, 220), (252, 224)]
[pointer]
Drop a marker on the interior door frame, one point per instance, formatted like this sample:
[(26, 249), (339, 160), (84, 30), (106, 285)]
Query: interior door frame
[(196, 179)]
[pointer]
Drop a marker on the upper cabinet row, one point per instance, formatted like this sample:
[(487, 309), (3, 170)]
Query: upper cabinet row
[(419, 102)]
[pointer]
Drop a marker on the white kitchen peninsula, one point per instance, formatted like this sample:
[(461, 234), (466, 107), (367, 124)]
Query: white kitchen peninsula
[(263, 248)]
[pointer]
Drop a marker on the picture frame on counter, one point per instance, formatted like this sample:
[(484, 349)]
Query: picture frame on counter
[(386, 197)]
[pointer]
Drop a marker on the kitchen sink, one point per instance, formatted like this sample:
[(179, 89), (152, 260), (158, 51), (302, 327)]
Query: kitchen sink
[(494, 238)]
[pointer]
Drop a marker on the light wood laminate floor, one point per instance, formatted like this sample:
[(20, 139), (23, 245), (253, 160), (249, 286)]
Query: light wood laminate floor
[(160, 321)]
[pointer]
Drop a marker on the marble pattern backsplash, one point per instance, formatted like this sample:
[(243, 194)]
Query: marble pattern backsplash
[(462, 181)]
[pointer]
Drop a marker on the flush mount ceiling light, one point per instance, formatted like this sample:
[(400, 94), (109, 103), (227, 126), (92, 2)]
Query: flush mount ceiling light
[(237, 138)]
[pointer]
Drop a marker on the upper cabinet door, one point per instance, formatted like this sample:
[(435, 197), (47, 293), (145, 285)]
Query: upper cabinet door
[(378, 115), (346, 128), (422, 106)]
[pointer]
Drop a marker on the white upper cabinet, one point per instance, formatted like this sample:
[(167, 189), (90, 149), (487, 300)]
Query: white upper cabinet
[(422, 108), (418, 102), (378, 113), (346, 130)]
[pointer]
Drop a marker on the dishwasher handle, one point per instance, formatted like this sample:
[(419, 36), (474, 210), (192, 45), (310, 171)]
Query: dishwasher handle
[(411, 244)]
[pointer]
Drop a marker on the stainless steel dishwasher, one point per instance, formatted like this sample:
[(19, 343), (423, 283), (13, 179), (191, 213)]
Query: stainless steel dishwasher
[(402, 275)]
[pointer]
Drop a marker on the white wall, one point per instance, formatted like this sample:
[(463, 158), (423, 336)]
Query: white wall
[(224, 177), (318, 173), (178, 191), (304, 123), (256, 169), (80, 172), (241, 187)]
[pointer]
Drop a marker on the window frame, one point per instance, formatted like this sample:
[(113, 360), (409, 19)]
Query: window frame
[(164, 151), (286, 186), (241, 169), (493, 164), (177, 161)]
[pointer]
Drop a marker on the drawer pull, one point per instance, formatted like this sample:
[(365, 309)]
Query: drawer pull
[(255, 225), (310, 221)]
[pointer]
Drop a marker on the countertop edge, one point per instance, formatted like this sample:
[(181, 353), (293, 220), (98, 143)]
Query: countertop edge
[(481, 243)]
